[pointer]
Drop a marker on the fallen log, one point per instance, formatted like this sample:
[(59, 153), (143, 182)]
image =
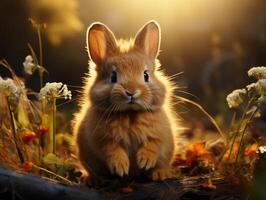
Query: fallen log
[(20, 185)]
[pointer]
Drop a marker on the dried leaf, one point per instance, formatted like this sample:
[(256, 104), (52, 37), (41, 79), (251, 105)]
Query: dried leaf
[(127, 189), (251, 150), (196, 149)]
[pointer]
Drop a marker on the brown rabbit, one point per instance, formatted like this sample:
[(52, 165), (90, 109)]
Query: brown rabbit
[(126, 124)]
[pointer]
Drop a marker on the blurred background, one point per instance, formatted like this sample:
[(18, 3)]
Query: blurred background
[(214, 42)]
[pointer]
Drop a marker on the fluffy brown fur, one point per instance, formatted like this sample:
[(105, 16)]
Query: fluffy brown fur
[(121, 134)]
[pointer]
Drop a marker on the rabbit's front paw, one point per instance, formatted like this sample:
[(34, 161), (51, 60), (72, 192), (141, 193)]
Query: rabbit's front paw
[(146, 158), (119, 163)]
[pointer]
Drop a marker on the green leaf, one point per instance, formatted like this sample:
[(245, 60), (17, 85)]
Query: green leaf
[(22, 116), (64, 138), (62, 171), (50, 159)]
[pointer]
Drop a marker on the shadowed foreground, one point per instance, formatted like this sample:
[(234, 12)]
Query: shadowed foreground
[(19, 185)]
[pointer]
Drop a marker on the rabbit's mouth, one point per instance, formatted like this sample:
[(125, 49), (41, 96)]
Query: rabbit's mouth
[(131, 101), (132, 97), (134, 104)]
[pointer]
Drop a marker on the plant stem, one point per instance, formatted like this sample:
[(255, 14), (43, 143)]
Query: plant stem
[(40, 44), (52, 173), (243, 133), (41, 137), (40, 55), (39, 149), (41, 78), (14, 130), (239, 126), (54, 124)]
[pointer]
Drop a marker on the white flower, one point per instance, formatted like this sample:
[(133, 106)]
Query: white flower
[(252, 86), (55, 90), (234, 99), (262, 100), (28, 64), (262, 85), (259, 86), (262, 149), (9, 89), (258, 72)]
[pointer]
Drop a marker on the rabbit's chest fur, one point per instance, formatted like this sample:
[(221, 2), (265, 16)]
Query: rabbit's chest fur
[(132, 129)]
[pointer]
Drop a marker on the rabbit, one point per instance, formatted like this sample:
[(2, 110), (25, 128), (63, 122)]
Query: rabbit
[(126, 124)]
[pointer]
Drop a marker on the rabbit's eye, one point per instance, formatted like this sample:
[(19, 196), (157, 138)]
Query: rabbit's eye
[(113, 77), (146, 76)]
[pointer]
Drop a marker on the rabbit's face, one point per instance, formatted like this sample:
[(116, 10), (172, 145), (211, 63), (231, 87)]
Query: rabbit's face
[(126, 80)]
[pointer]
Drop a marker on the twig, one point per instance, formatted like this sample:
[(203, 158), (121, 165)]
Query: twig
[(14, 130), (52, 173), (54, 124)]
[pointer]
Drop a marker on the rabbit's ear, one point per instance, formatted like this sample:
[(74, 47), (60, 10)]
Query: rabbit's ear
[(148, 39), (101, 42)]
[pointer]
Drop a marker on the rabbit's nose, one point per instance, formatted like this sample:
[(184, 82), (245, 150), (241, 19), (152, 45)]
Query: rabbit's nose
[(128, 93)]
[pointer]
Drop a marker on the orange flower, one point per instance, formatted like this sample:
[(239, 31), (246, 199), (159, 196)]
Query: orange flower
[(26, 166), (251, 150), (27, 136), (42, 129)]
